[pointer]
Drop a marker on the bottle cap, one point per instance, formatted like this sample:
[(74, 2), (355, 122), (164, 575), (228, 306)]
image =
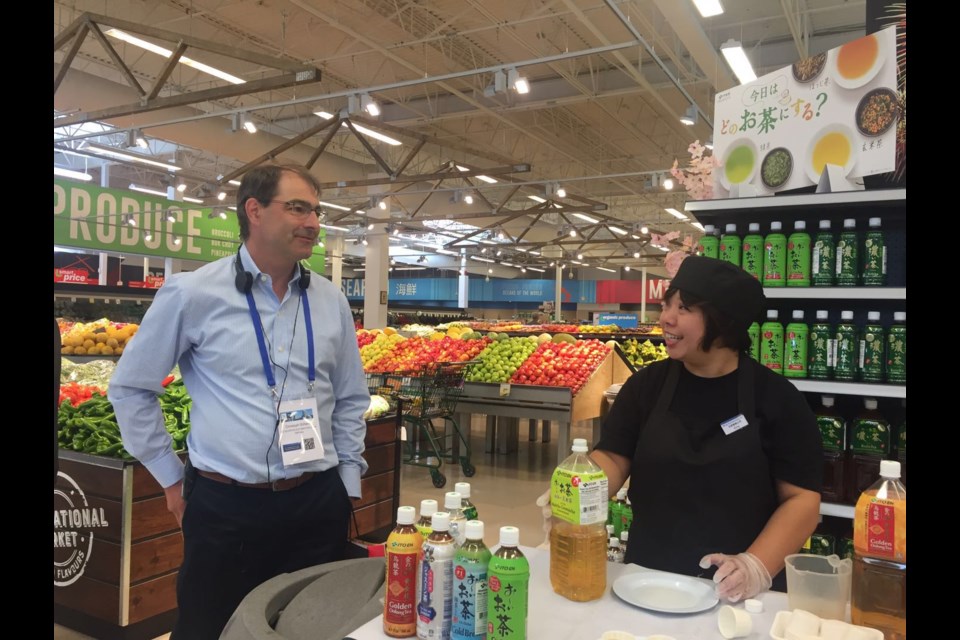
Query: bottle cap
[(754, 227), (827, 401), (609, 530), (708, 229), (874, 222), (509, 536), (825, 224), (799, 225), (474, 530), (624, 536), (614, 543), (873, 316), (440, 521), (622, 494), (579, 445), (889, 469), (870, 403), (772, 314), (850, 223), (463, 488), (846, 315), (452, 500), (428, 508), (406, 515), (775, 226), (798, 314), (753, 606), (731, 228), (823, 314), (899, 316)]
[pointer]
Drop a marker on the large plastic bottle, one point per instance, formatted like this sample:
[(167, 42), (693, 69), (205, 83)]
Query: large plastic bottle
[(752, 251), (848, 260), (821, 352), (400, 593), (798, 256), (795, 341), (709, 244), (508, 594), (823, 263), (846, 362), (874, 256), (833, 434), (754, 332), (897, 349), (870, 443), (730, 245), (470, 586), (452, 502), (578, 539), (425, 523), (771, 343), (469, 509), (775, 257), (878, 597), (871, 349), (435, 581)]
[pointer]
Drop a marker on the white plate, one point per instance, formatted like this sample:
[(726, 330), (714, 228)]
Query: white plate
[(836, 127), (854, 83), (665, 592), (741, 142)]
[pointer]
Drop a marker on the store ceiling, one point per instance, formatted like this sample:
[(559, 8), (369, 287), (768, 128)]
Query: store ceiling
[(598, 124)]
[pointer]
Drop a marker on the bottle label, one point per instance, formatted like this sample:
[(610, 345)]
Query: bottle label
[(435, 591), (507, 601), (832, 354), (833, 433), (871, 354), (870, 437), (752, 257), (823, 262), (795, 352), (820, 356), (798, 259), (771, 349), (469, 601), (401, 588), (846, 367), (875, 260), (897, 356), (881, 528), (579, 497), (847, 261)]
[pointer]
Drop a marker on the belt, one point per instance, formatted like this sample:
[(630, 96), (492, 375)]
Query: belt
[(284, 484)]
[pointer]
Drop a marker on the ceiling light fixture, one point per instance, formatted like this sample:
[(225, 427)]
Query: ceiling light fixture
[(153, 192), (486, 179), (617, 230), (586, 218), (166, 53), (376, 135), (382, 204), (708, 8), (668, 184), (709, 143), (195, 200), (737, 58), (148, 236), (636, 255), (369, 105), (223, 215), (222, 196), (645, 230), (363, 241), (537, 198), (122, 155), (573, 232), (334, 206), (468, 199), (690, 117), (518, 82), (675, 213), (69, 173), (235, 183), (182, 187), (561, 192), (176, 240), (626, 268), (697, 225)]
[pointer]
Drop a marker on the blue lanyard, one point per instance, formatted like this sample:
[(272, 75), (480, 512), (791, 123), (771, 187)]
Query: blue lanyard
[(261, 342)]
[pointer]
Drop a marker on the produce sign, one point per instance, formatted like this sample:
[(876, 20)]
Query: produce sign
[(562, 364), (502, 359), (413, 354)]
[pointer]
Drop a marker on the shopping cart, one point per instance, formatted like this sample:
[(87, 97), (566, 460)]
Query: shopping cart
[(429, 402)]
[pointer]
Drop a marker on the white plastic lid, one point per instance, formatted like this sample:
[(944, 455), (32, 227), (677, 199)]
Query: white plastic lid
[(849, 223), (440, 521), (753, 606), (798, 314), (474, 530), (823, 314), (708, 228), (406, 515), (874, 222), (509, 536), (428, 508), (754, 227), (731, 228), (622, 494), (625, 536), (827, 401), (825, 224), (889, 469), (870, 403), (452, 500), (846, 315), (609, 530), (579, 445), (873, 316), (614, 543), (775, 226), (772, 314), (900, 316), (799, 225), (463, 488)]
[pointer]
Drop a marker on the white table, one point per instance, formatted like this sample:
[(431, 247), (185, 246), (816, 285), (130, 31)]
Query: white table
[(553, 617)]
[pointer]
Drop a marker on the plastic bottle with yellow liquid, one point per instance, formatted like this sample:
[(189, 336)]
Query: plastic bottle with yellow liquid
[(400, 593), (879, 589), (425, 523), (578, 537)]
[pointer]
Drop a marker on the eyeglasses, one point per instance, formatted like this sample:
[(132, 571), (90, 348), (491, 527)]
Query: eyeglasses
[(300, 208)]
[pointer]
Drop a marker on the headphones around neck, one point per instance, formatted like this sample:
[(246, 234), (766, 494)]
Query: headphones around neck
[(244, 279)]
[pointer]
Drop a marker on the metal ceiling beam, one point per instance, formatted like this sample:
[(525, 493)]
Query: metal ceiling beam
[(495, 171), (81, 32), (117, 61), (273, 153)]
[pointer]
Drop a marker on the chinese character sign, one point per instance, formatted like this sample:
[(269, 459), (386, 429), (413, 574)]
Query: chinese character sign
[(839, 107)]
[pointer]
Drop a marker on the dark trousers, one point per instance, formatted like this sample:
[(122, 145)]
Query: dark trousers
[(236, 538)]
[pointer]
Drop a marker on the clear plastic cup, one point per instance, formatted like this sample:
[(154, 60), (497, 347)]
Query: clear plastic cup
[(819, 584)]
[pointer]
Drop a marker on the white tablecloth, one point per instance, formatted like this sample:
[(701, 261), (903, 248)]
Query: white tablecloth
[(553, 617)]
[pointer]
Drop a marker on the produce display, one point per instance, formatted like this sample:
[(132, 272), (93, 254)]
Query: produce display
[(562, 363), (640, 354), (381, 345), (418, 329), (77, 393), (98, 338), (412, 354), (378, 407), (501, 359), (95, 373)]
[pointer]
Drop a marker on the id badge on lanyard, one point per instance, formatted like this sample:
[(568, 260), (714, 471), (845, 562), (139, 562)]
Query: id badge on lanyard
[(300, 439)]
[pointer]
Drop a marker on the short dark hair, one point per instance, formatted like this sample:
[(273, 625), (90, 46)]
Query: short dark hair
[(717, 326), (261, 183)]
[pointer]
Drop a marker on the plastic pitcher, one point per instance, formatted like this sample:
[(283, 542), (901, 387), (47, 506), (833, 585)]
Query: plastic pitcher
[(819, 584)]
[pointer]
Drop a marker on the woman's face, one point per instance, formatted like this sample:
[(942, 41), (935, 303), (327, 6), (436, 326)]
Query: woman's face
[(683, 329)]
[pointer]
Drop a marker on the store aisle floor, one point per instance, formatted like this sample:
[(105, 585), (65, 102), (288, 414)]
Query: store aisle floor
[(504, 488)]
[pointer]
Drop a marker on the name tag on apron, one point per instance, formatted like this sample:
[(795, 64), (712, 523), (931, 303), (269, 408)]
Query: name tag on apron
[(733, 424)]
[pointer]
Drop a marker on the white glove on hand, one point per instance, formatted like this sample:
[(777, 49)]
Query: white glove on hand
[(544, 503), (738, 577)]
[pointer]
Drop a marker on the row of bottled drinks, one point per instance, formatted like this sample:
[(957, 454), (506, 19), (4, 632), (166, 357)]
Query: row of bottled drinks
[(797, 261), (824, 351)]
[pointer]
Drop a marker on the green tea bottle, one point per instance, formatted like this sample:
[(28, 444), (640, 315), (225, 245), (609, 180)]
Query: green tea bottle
[(795, 347), (897, 349), (824, 261), (771, 343), (508, 577), (870, 443), (874, 256), (469, 509), (798, 256), (775, 257), (822, 344), (752, 251), (709, 243), (848, 265), (833, 434), (754, 333), (615, 517), (846, 367), (871, 349), (469, 620), (730, 245), (425, 523)]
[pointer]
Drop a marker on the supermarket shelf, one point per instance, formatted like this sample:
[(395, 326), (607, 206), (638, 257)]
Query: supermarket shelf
[(836, 293), (851, 388), (836, 510), (805, 200)]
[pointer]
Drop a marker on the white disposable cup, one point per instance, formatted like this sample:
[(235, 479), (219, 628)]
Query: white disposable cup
[(833, 629), (734, 623), (804, 623)]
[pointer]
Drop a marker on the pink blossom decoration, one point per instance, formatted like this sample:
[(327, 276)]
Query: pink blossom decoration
[(697, 179)]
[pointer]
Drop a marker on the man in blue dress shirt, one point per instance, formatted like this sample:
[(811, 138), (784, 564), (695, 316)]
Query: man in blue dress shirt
[(269, 356)]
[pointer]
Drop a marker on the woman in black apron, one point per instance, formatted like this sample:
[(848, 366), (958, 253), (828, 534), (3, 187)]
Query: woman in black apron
[(723, 455)]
